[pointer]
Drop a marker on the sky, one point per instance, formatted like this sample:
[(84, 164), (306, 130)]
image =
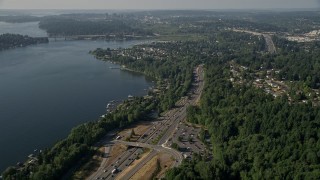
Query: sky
[(158, 4)]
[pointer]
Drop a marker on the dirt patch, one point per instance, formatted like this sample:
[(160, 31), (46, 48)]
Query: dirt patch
[(134, 132), (149, 170), (166, 161), (142, 128), (125, 134), (146, 172)]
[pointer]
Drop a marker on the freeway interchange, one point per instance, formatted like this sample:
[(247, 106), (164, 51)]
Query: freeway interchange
[(158, 138)]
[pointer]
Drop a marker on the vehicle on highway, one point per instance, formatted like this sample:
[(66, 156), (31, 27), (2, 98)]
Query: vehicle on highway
[(114, 171)]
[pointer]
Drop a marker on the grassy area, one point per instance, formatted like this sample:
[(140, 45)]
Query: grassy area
[(155, 168), (148, 171), (155, 141)]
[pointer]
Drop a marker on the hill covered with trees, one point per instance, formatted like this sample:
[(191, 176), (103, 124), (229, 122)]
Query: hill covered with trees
[(253, 135), (72, 26), (8, 41)]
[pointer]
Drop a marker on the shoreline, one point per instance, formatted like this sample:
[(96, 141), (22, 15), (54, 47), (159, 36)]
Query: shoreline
[(123, 68), (119, 101)]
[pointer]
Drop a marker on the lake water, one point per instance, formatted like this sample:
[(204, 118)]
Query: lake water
[(29, 29), (51, 12), (47, 89)]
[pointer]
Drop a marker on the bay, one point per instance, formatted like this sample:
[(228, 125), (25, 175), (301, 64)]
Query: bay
[(47, 89), (31, 29)]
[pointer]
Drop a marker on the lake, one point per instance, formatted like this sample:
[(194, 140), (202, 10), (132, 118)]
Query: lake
[(49, 88), (29, 29)]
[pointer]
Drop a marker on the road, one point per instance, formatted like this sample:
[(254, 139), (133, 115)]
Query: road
[(270, 45), (159, 148), (271, 48), (155, 149), (176, 118), (156, 137)]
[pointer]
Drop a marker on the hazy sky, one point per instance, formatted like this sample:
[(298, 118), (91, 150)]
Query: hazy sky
[(157, 4)]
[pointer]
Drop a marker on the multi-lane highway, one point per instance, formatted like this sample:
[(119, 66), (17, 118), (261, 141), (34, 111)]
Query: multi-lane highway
[(271, 48), (269, 42), (155, 138)]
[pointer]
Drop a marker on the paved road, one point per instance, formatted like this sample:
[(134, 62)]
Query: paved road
[(136, 168), (158, 148), (178, 115), (271, 48), (155, 149), (107, 149), (270, 45), (162, 130)]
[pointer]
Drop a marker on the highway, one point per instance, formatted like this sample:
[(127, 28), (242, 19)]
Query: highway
[(271, 48), (159, 148), (176, 118), (155, 138), (178, 156), (269, 42)]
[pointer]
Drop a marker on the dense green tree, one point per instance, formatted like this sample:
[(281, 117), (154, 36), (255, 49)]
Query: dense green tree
[(8, 41)]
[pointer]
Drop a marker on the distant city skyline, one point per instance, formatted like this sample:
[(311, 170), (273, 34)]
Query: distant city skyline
[(158, 4)]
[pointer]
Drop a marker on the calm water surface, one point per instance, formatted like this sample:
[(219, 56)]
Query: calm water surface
[(30, 29), (47, 89)]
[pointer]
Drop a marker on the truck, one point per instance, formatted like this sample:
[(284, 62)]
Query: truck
[(115, 170)]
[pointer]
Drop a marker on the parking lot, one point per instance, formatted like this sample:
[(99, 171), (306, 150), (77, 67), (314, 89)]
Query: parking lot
[(186, 137)]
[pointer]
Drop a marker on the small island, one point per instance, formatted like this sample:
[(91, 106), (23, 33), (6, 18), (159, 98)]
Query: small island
[(9, 41)]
